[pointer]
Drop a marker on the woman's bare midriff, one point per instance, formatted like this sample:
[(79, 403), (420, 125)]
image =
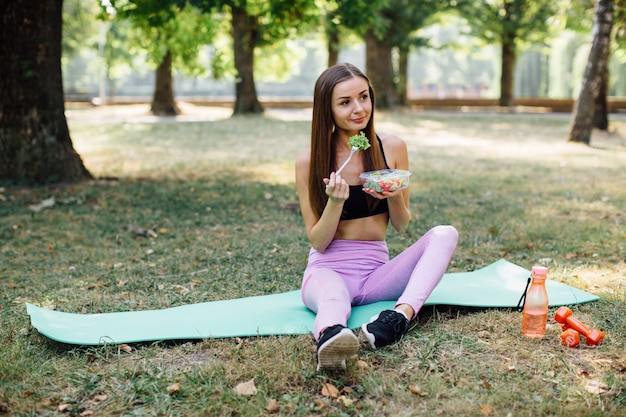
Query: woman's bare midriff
[(366, 228)]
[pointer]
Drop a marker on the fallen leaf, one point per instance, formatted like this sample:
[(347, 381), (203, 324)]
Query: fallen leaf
[(27, 393), (347, 402), (246, 388), (319, 404), (329, 390), (63, 407), (487, 385), (125, 348), (175, 387), (86, 413), (361, 364), (486, 410), (272, 405), (180, 290), (596, 387), (415, 389)]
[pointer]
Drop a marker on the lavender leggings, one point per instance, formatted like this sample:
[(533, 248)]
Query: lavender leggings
[(355, 272)]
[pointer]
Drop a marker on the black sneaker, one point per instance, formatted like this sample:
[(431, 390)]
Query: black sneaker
[(335, 345), (386, 328)]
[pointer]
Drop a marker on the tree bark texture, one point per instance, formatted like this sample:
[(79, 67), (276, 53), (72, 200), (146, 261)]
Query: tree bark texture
[(244, 28), (601, 105), (584, 108), (403, 75), (35, 144), (379, 69), (163, 102), (508, 71), (333, 46)]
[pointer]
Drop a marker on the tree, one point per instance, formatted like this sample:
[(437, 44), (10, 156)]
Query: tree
[(172, 33), (595, 73), (400, 21), (257, 24), (387, 26), (362, 17), (580, 18), (245, 28), (508, 23), (35, 144), (342, 19)]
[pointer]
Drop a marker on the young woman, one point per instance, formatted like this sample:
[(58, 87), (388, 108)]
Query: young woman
[(346, 224)]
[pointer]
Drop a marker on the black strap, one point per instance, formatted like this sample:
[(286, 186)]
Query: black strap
[(522, 299)]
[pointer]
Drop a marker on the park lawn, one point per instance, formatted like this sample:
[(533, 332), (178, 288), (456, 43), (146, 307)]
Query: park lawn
[(205, 209)]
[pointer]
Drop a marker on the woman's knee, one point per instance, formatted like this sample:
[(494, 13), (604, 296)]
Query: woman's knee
[(445, 233)]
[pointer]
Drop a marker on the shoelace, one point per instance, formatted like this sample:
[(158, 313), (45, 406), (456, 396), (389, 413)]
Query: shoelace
[(396, 320)]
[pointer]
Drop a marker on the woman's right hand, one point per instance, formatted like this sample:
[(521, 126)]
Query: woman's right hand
[(337, 189)]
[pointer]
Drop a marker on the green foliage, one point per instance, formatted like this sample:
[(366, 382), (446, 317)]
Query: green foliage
[(403, 18), (277, 61), (579, 15), (498, 21), (357, 15), (273, 24), (177, 27), (80, 26)]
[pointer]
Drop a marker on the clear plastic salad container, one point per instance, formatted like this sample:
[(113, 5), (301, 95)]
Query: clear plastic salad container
[(385, 179)]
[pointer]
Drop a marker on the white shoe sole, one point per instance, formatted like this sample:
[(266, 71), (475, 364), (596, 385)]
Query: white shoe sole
[(333, 353), (369, 336)]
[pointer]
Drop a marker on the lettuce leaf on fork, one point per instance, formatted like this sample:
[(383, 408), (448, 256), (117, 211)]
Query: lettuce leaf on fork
[(360, 141)]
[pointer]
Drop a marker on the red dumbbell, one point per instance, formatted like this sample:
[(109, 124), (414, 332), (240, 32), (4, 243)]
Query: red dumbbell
[(564, 316)]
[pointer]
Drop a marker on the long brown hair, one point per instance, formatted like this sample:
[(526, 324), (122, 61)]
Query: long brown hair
[(323, 159)]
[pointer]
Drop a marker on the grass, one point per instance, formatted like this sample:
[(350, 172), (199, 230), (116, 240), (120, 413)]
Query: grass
[(218, 193)]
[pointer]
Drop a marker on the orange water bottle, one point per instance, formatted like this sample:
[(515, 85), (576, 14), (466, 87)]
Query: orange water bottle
[(535, 313)]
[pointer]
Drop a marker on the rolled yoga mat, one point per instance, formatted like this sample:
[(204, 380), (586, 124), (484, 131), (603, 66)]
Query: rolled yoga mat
[(497, 285)]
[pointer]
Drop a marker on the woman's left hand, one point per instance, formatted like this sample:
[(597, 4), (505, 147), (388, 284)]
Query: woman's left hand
[(383, 195)]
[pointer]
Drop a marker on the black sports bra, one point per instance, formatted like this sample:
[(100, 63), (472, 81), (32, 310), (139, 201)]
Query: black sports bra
[(358, 204)]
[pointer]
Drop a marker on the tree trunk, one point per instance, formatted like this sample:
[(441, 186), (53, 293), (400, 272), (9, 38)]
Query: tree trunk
[(244, 28), (601, 105), (582, 118), (379, 68), (163, 103), (332, 36), (35, 144), (508, 71), (403, 75)]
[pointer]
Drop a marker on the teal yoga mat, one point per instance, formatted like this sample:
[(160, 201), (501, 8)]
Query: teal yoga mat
[(497, 285)]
